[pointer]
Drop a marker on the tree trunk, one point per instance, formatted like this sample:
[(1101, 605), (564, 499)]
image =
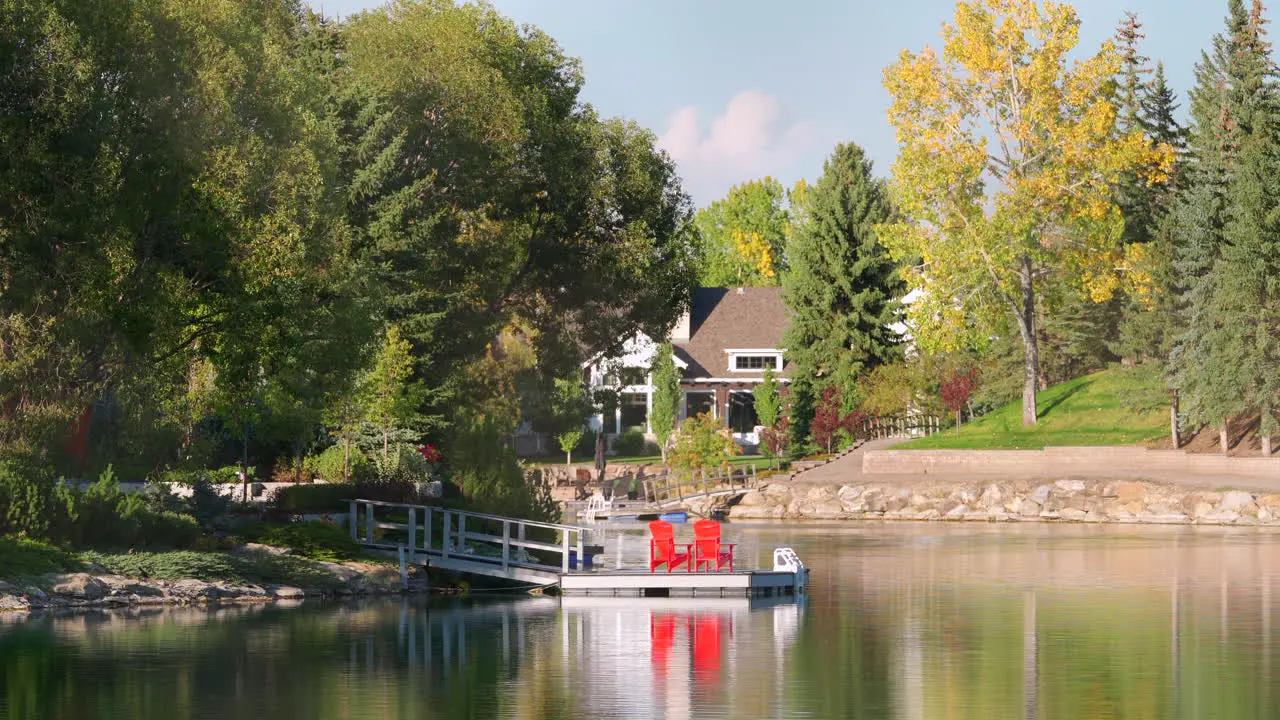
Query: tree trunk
[(1266, 446), (957, 422), (386, 445), (1222, 437), (1030, 343), (346, 459), (1173, 420)]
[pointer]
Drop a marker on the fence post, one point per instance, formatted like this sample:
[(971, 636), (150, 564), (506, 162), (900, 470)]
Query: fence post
[(368, 523), (354, 519), (426, 532), (444, 540), (462, 532), (564, 551), (413, 533), (506, 544), (404, 570), (582, 560)]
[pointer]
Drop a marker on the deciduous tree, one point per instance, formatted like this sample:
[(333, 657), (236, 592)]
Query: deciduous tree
[(1009, 153), (666, 396)]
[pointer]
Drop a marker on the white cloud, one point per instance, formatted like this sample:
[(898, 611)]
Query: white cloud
[(748, 140)]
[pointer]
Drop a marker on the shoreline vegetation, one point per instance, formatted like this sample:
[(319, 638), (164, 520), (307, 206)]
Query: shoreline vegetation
[(35, 576)]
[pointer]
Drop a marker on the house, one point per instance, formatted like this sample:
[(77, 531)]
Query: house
[(722, 347)]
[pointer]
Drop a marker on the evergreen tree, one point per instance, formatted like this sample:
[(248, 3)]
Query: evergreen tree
[(1232, 140), (842, 289), (666, 396)]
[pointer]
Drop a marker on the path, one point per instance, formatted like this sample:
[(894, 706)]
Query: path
[(848, 471)]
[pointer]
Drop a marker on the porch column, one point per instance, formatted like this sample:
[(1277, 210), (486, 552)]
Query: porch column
[(648, 407), (722, 404)]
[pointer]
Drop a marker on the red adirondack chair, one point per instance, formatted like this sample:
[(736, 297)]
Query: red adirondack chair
[(707, 548), (662, 547)]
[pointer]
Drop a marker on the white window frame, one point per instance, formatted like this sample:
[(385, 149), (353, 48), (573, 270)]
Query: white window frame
[(735, 353)]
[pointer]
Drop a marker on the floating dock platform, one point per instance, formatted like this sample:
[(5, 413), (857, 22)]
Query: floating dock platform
[(638, 583)]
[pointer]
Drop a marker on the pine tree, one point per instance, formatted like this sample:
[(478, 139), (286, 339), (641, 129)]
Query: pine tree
[(842, 289), (1220, 222)]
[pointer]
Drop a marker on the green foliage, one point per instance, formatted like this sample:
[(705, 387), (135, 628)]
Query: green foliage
[(315, 498), (1226, 359), (486, 470), (842, 287), (666, 395), (768, 401), (743, 235), (703, 443), (26, 497), (630, 443), (1090, 410), (329, 465), (102, 515), (24, 558), (314, 540), (217, 567)]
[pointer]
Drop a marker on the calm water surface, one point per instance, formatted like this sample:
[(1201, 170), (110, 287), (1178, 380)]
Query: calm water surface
[(902, 621)]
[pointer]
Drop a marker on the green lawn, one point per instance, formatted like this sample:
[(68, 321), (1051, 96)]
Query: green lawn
[(1120, 406)]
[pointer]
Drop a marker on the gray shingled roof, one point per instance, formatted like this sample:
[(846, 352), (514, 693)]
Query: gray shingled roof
[(722, 318)]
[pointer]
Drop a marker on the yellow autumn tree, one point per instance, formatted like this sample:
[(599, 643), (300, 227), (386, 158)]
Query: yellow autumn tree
[(756, 253), (1008, 156)]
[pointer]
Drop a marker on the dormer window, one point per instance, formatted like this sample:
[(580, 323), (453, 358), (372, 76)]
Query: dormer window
[(754, 360)]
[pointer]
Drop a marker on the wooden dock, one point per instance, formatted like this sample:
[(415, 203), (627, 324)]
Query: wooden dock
[(638, 583), (546, 554)]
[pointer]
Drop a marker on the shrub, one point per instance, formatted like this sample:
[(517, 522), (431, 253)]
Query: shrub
[(630, 443), (329, 465), (703, 442), (316, 540), (26, 497), (315, 498), (228, 474), (105, 516)]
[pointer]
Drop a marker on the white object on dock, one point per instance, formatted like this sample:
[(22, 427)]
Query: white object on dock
[(786, 560), (596, 504)]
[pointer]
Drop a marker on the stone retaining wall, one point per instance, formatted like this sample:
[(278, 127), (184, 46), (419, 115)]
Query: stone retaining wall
[(1096, 501), (1059, 461)]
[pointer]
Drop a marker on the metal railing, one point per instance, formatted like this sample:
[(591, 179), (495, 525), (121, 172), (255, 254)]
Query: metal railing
[(460, 534)]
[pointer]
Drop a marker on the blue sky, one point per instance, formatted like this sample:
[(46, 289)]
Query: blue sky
[(739, 89)]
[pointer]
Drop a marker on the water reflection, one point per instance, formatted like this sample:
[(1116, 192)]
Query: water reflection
[(907, 622)]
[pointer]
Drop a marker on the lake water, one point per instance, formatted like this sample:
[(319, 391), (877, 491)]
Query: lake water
[(901, 621)]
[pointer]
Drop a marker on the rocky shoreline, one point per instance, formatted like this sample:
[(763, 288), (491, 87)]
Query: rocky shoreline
[(96, 588), (1075, 500)]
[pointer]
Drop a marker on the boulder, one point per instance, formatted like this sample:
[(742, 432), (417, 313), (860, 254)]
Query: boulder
[(79, 586), (1029, 508), (1072, 514), (1221, 517), (285, 592), (991, 496), (753, 498), (1130, 492), (1041, 494), (849, 492), (1236, 500), (1070, 486), (958, 512), (193, 591)]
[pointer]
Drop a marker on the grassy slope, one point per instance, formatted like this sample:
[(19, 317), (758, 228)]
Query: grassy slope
[(1089, 410)]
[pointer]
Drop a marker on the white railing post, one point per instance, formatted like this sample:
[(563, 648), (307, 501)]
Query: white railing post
[(368, 523), (413, 534), (506, 544), (462, 532), (444, 543), (564, 551), (354, 518), (426, 521), (581, 558)]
